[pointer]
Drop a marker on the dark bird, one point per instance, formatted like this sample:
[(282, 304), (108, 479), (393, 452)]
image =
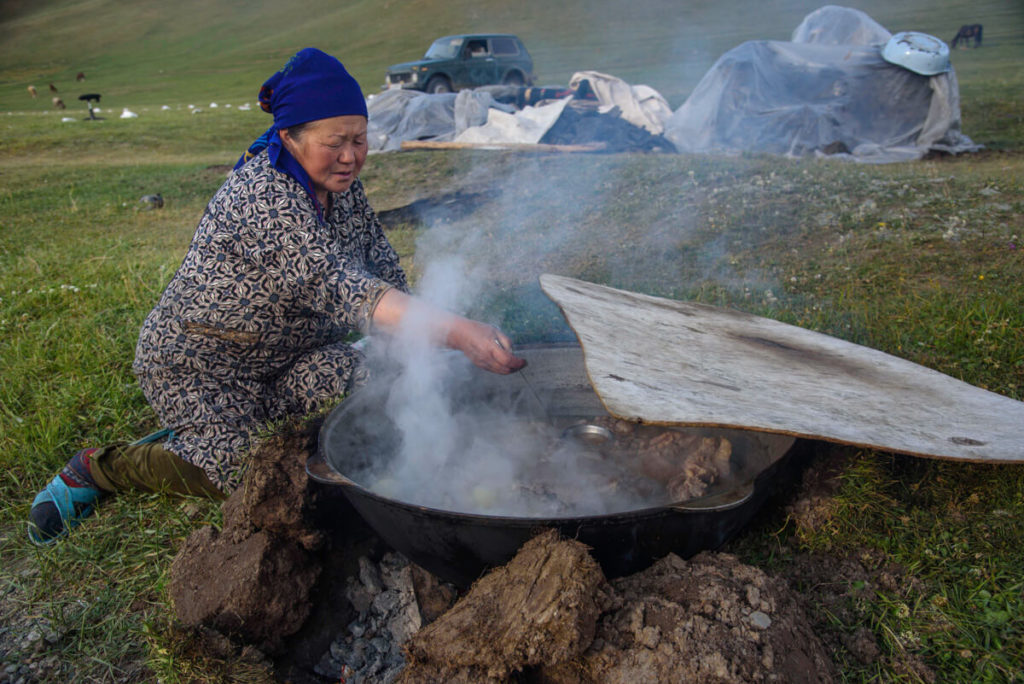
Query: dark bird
[(89, 98), (53, 88)]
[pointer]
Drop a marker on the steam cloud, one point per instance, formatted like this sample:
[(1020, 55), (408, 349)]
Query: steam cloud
[(486, 458)]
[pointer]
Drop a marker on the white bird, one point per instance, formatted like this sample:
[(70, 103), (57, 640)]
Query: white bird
[(165, 107), (244, 108), (213, 105), (127, 114), (67, 118)]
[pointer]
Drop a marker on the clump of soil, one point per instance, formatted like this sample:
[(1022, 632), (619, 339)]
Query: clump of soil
[(709, 619), (551, 615), (541, 607), (813, 507), (252, 579)]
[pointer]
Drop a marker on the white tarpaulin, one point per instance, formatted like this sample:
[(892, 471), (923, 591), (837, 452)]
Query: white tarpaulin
[(817, 95), (400, 115), (526, 126), (640, 105)]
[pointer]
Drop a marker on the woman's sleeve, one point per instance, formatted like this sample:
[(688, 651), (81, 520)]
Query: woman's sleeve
[(308, 275), (381, 257)]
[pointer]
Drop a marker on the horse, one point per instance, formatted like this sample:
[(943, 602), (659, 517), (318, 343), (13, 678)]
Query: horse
[(32, 91), (966, 32)]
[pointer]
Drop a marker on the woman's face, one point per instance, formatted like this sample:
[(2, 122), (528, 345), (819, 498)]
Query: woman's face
[(332, 152)]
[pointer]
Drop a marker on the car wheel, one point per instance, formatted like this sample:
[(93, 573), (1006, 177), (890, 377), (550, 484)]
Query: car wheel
[(439, 84), (514, 78)]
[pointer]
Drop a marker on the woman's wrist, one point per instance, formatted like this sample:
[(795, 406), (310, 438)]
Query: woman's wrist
[(452, 330)]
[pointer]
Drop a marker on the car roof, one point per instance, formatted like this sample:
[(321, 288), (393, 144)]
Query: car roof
[(478, 35)]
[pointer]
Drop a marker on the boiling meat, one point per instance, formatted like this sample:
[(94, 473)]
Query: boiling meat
[(686, 464), (545, 472)]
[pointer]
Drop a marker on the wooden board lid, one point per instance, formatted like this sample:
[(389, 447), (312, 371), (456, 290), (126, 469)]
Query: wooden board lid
[(681, 363)]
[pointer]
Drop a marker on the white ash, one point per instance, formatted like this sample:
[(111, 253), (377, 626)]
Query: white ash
[(370, 650)]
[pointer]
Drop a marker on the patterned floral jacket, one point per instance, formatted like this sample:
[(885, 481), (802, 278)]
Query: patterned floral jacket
[(264, 282)]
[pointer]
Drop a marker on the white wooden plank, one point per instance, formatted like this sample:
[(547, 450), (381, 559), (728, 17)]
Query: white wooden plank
[(671, 362)]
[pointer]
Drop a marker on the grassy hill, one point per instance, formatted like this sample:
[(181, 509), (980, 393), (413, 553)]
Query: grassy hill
[(920, 260), (138, 53)]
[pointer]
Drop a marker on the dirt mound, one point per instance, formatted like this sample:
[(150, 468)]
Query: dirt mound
[(541, 607), (812, 508), (709, 619), (252, 579), (551, 615)]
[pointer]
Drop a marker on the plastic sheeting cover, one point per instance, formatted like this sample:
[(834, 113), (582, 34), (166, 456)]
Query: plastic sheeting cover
[(640, 105), (833, 25), (799, 98), (526, 126), (399, 115)]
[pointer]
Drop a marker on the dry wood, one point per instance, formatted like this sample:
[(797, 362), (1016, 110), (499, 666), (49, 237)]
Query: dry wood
[(522, 147), (681, 363)]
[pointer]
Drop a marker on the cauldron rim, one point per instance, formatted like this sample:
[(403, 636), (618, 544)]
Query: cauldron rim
[(322, 469), (316, 463), (458, 546)]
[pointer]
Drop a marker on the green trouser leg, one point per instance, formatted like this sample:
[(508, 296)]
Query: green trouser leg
[(150, 468)]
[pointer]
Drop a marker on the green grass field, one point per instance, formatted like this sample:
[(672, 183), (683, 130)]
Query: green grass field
[(920, 260), (139, 54)]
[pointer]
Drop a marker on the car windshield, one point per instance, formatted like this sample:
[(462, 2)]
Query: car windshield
[(444, 48)]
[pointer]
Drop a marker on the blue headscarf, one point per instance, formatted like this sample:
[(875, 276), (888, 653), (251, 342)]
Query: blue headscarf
[(312, 85)]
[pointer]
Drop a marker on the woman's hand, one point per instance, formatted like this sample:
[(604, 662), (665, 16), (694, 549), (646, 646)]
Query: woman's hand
[(484, 345)]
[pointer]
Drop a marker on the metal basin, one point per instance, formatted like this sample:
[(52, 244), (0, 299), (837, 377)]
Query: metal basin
[(458, 546)]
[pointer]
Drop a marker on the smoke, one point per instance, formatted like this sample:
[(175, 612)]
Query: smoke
[(451, 437), (588, 217), (490, 454)]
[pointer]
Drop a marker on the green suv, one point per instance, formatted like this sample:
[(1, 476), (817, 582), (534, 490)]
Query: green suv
[(466, 61)]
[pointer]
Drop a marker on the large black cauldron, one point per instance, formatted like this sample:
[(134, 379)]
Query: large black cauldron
[(458, 546)]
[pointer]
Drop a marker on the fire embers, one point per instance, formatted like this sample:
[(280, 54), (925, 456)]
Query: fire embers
[(371, 650), (686, 464)]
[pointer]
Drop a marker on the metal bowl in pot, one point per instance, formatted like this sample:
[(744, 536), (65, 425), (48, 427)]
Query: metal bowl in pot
[(459, 546)]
